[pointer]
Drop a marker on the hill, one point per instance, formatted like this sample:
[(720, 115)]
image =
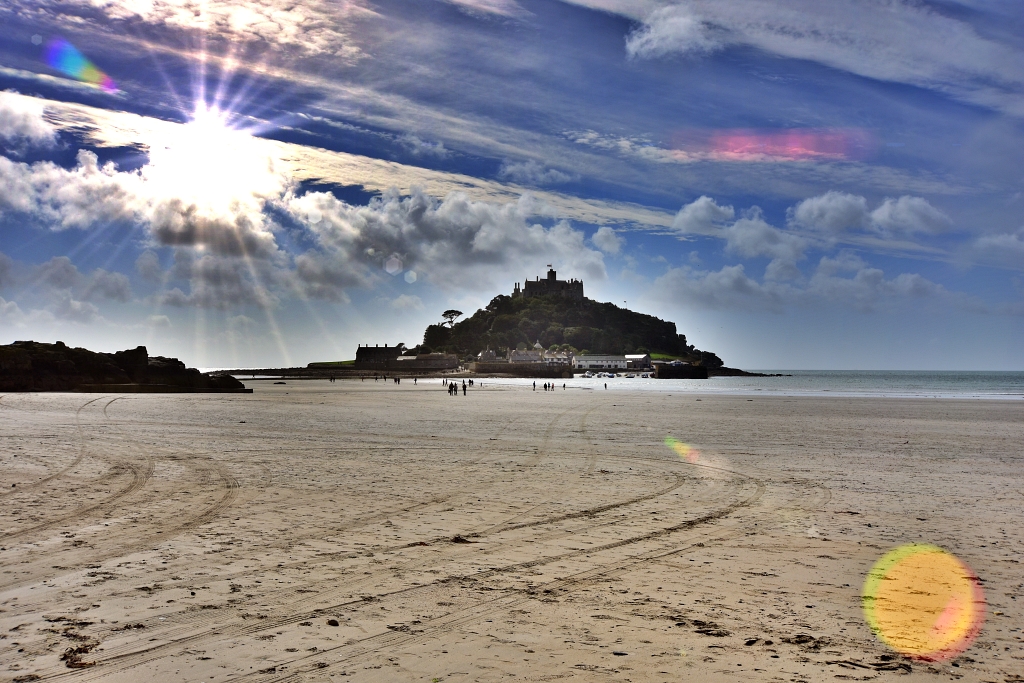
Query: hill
[(584, 325)]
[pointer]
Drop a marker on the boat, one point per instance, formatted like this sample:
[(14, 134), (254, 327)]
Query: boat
[(630, 376), (588, 374), (645, 376)]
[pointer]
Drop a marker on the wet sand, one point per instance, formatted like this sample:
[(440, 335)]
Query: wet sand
[(366, 531)]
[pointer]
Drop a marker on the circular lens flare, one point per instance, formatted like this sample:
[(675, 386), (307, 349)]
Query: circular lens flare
[(923, 602)]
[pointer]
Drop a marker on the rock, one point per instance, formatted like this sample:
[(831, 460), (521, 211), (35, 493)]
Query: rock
[(333, 622), (35, 366)]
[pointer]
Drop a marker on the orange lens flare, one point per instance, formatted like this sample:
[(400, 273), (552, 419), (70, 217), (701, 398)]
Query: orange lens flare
[(923, 602)]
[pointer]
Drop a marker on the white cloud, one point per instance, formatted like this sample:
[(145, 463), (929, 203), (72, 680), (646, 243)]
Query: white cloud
[(158, 321), (902, 41), (407, 302), (419, 147), (671, 29), (532, 172), (836, 212), (702, 217), (315, 26), (506, 8), (832, 212), (1005, 248), (907, 216), (22, 120), (608, 241)]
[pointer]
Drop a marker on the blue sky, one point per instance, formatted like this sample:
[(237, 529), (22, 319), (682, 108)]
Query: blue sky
[(796, 184)]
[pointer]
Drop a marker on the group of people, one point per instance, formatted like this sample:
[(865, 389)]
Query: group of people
[(550, 386), (453, 387)]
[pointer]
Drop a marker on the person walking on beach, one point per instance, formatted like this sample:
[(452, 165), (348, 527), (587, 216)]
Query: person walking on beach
[(463, 387), (606, 385), (535, 385)]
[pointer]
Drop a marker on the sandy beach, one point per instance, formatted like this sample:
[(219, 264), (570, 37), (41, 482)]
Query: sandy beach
[(368, 531)]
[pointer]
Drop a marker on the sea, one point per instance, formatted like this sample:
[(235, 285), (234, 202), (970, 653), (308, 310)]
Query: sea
[(866, 383)]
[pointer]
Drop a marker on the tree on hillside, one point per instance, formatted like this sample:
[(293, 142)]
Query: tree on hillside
[(450, 316)]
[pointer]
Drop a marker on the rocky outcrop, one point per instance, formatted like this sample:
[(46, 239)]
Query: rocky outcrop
[(35, 366)]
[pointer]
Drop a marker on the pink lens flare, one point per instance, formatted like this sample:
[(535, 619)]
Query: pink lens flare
[(798, 144), (65, 57)]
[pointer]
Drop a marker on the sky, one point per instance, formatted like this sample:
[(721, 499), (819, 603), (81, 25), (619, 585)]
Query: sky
[(263, 183)]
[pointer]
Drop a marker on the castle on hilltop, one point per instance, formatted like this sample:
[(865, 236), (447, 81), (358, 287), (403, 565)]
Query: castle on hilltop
[(572, 289)]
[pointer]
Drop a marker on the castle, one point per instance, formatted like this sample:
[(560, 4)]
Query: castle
[(551, 285)]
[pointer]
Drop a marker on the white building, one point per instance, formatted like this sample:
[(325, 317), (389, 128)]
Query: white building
[(594, 362), (638, 360)]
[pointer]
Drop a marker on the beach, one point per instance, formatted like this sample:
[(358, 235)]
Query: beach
[(372, 531)]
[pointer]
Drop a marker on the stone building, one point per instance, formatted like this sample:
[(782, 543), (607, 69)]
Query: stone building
[(550, 285)]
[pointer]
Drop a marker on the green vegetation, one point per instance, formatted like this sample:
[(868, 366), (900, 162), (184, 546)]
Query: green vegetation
[(559, 323)]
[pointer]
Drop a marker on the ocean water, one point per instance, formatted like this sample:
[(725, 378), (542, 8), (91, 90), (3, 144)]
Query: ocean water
[(874, 383)]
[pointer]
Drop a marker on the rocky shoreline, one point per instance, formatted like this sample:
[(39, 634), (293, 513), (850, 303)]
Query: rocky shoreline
[(36, 366)]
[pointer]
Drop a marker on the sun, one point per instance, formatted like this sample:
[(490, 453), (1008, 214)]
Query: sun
[(213, 166)]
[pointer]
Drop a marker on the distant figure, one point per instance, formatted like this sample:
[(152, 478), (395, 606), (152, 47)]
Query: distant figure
[(463, 388), (535, 385), (606, 385), (563, 386), (414, 380)]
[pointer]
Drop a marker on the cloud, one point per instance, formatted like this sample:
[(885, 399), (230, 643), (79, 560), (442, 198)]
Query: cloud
[(407, 302), (727, 289), (419, 147), (158, 321), (752, 236), (837, 212), (607, 240), (219, 207), (81, 312), (531, 172), (844, 281), (702, 217), (505, 8), (7, 269), (59, 273), (451, 241), (671, 29), (75, 198), (102, 284), (1005, 248), (11, 313), (315, 26), (147, 265), (832, 212), (22, 120), (221, 283), (902, 41), (907, 216)]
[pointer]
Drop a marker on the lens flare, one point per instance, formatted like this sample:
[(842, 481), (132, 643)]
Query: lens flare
[(683, 450), (65, 57), (742, 144), (923, 602)]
